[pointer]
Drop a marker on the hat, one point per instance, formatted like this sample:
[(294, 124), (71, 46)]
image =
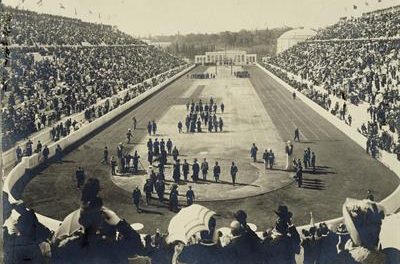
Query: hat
[(342, 230), (324, 230), (235, 225), (283, 212), (241, 216)]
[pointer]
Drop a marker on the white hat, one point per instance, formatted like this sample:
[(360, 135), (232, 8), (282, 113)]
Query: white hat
[(235, 225)]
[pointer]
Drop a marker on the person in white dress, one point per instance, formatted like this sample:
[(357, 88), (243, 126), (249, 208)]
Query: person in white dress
[(289, 153)]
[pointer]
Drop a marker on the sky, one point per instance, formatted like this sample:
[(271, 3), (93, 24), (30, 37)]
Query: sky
[(165, 17)]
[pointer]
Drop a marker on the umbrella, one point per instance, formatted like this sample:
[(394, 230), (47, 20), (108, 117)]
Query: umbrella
[(224, 231), (137, 226), (187, 222), (389, 236), (253, 227), (69, 225), (363, 221), (11, 222), (355, 236)]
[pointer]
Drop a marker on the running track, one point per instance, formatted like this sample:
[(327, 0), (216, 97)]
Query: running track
[(345, 170)]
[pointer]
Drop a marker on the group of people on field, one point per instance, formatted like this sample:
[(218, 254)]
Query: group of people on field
[(199, 113)]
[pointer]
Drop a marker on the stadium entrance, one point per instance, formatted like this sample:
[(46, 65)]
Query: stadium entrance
[(234, 57)]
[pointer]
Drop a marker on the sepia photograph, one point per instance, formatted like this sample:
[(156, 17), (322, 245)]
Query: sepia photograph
[(200, 132)]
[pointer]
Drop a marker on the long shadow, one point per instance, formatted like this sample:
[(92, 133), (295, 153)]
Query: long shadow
[(279, 169), (130, 174), (150, 211), (318, 188), (315, 184), (318, 172), (201, 181), (227, 183), (68, 161), (323, 167), (165, 203), (310, 181), (184, 183)]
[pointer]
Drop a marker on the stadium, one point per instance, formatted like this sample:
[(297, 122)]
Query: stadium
[(117, 150)]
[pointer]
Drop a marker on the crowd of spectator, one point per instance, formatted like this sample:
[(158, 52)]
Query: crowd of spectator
[(44, 85), (360, 70), (378, 24), (63, 129), (103, 237), (43, 81), (321, 98), (29, 28), (363, 68), (106, 238)]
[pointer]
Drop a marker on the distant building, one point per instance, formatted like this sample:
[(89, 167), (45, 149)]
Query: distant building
[(292, 37), (236, 57)]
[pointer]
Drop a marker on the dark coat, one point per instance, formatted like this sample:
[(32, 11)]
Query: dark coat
[(217, 170), (136, 195)]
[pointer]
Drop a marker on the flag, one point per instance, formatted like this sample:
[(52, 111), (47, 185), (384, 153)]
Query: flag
[(354, 7), (90, 12), (76, 13), (62, 6), (379, 1), (366, 3), (39, 3)]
